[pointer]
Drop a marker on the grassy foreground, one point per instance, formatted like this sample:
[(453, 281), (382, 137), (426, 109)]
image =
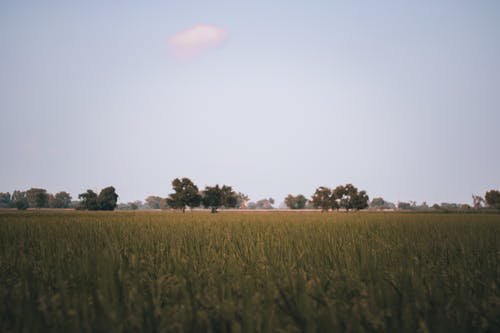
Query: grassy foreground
[(249, 272)]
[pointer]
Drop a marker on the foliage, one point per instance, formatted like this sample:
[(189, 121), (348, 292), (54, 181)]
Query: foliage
[(492, 199), (134, 205), (343, 196), (60, 200), (380, 203), (262, 204), (153, 202), (37, 198), (19, 200), (215, 197), (185, 194), (107, 199), (88, 200), (406, 205), (295, 202), (5, 200), (22, 203), (477, 201), (322, 198), (249, 272)]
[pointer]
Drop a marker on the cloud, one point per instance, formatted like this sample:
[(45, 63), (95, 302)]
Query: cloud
[(195, 40)]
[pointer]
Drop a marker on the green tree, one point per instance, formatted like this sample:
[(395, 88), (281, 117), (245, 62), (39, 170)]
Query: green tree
[(214, 197), (339, 197), (359, 200), (60, 200), (343, 196), (407, 206), (5, 200), (37, 197), (378, 203), (18, 196), (322, 198), (107, 199), (349, 197), (153, 202), (477, 201), (22, 203), (88, 200), (492, 199), (265, 204), (186, 193), (230, 197), (295, 202)]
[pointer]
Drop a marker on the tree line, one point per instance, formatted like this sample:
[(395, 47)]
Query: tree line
[(40, 198), (186, 195)]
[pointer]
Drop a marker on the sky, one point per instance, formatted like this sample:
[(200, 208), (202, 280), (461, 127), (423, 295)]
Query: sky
[(401, 99)]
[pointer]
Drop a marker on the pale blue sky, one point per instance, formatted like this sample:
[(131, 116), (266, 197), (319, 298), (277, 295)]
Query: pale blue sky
[(401, 99)]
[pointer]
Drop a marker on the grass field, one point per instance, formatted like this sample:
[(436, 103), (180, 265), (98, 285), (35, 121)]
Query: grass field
[(252, 272)]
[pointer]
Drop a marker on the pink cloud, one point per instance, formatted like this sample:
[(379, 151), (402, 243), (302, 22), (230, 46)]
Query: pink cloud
[(195, 40)]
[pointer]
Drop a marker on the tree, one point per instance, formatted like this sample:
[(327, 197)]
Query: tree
[(51, 201), (377, 203), (436, 206), (164, 204), (339, 197), (37, 197), (107, 199), (212, 198), (359, 200), (265, 204), (349, 197), (492, 199), (153, 202), (295, 202), (251, 205), (477, 201), (88, 200), (186, 194), (22, 203), (343, 196), (242, 199), (60, 200), (380, 203), (215, 197), (5, 200), (19, 200), (230, 197), (322, 198), (405, 205)]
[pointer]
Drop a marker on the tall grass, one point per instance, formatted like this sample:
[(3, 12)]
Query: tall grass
[(252, 272)]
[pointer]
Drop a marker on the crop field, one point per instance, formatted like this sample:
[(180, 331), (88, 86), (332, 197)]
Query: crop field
[(253, 272)]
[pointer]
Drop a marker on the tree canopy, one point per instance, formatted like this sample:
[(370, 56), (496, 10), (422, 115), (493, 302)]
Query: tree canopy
[(343, 196), (106, 200), (295, 202), (492, 199), (322, 198), (186, 193), (37, 198), (215, 197)]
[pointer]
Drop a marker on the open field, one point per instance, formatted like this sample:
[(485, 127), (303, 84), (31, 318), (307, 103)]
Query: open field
[(253, 272)]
